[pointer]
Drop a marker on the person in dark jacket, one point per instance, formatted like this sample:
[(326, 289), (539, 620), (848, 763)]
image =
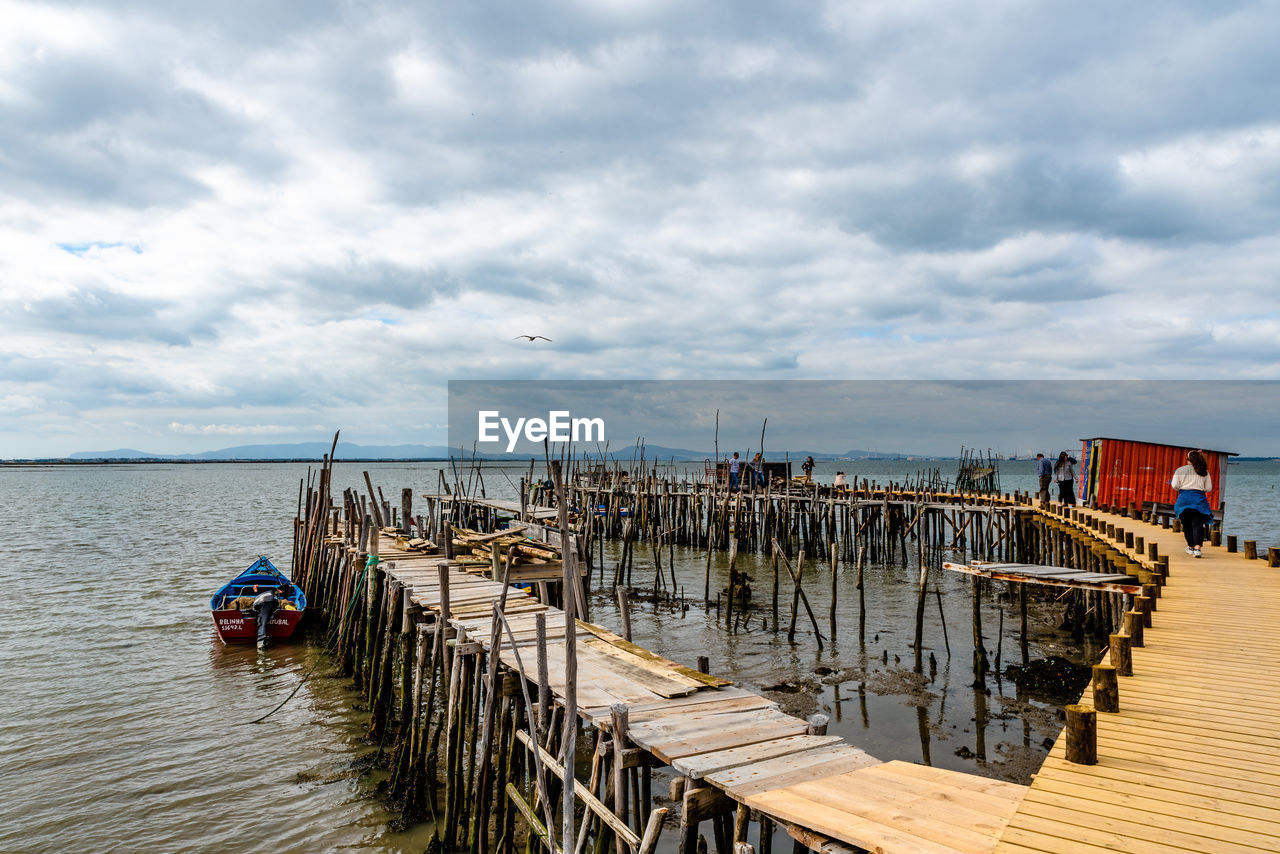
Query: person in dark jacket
[(264, 605), (1044, 469)]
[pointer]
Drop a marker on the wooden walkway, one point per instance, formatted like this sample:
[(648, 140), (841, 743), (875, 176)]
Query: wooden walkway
[(1191, 762), (728, 738)]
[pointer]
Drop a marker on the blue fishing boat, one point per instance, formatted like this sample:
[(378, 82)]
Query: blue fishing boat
[(232, 605)]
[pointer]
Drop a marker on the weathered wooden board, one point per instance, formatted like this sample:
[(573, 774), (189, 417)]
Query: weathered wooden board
[(815, 764), (701, 764)]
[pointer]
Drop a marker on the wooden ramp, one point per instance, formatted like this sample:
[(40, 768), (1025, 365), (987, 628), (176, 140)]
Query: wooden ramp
[(725, 737), (1054, 576), (1191, 762)]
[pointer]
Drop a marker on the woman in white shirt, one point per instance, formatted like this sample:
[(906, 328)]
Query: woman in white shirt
[(1193, 483)]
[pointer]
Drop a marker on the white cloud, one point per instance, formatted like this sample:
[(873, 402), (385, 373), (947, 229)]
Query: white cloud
[(264, 221)]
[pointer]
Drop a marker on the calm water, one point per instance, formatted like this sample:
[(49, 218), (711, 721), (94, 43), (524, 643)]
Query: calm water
[(122, 723)]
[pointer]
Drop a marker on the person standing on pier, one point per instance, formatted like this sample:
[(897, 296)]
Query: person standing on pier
[(807, 468), (734, 465), (1064, 473), (1193, 484), (1045, 470), (757, 468)]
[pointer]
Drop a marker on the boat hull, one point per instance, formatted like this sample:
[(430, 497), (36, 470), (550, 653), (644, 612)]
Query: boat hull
[(242, 627)]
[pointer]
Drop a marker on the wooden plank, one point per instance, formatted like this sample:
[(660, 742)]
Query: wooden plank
[(1011, 792), (619, 641), (1257, 820), (849, 827), (706, 696), (657, 668), (710, 721), (784, 771), (929, 811), (699, 765), (716, 705), (668, 751), (1095, 826), (659, 685)]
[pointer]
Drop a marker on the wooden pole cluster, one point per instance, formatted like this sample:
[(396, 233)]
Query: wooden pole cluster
[(465, 737), (479, 743)]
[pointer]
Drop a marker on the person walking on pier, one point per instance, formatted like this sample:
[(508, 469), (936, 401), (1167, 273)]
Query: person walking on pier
[(841, 483), (734, 465), (1193, 483), (1045, 470), (1064, 473)]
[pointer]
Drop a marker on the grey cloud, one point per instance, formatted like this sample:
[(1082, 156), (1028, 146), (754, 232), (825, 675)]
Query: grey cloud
[(96, 312), (119, 129), (359, 283), (16, 368)]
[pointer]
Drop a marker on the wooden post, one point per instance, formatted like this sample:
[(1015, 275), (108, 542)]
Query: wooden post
[(818, 724), (1215, 537), (1122, 654), (1133, 627), (1273, 556), (624, 610), (406, 509), (1231, 543), (544, 677), (1142, 604), (652, 830), (1082, 735), (834, 557), (1106, 688), (1251, 549), (620, 717), (741, 823)]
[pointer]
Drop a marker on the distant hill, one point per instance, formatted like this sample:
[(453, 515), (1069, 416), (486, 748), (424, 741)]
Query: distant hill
[(661, 452), (295, 451), (350, 451)]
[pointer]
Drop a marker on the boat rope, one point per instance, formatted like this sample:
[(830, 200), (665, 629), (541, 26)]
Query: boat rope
[(370, 563)]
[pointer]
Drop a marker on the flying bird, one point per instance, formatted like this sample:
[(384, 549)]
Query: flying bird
[(532, 337)]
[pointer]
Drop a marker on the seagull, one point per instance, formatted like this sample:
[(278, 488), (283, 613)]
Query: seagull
[(532, 337)]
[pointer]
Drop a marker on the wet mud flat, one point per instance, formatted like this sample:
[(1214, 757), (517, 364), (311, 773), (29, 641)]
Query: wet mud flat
[(1000, 725)]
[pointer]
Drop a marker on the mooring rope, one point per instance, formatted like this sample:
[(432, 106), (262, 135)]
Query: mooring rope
[(355, 597)]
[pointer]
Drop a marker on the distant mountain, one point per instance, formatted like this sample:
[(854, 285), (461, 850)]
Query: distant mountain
[(350, 451), (118, 454), (661, 452), (295, 451)]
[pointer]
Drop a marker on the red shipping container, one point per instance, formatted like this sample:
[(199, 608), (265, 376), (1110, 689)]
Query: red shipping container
[(1136, 472)]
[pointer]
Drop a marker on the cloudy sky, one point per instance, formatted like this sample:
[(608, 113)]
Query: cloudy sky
[(256, 222)]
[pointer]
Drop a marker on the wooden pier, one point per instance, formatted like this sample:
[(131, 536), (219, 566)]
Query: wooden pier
[(481, 688), (734, 748), (1191, 761)]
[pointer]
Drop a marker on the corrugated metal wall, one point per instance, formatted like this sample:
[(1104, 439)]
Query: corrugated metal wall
[(1117, 472)]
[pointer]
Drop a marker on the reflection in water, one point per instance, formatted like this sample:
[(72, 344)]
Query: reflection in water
[(922, 722), (980, 720)]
